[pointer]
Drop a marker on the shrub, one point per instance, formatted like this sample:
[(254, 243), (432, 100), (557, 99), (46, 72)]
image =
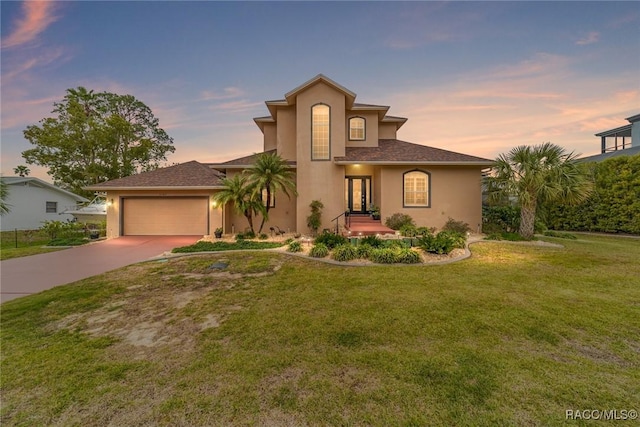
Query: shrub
[(263, 236), (249, 234), (408, 230), (383, 255), (373, 241), (314, 220), (457, 226), (408, 256), (331, 240), (423, 231), (397, 220), (239, 237), (294, 246), (496, 219), (442, 243), (319, 250), (226, 246), (364, 250), (395, 244), (68, 241), (344, 252)]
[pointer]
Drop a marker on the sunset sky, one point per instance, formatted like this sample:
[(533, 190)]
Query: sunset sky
[(473, 77)]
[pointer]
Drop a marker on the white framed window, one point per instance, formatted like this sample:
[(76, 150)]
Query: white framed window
[(51, 207), (357, 129), (320, 132), (416, 190)]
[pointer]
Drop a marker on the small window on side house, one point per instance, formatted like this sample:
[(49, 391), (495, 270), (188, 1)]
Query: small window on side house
[(51, 207), (272, 202), (356, 129), (416, 190)]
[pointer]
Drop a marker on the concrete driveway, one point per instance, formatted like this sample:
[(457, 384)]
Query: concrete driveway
[(32, 274)]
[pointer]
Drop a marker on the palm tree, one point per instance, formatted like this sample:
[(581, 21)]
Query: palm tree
[(22, 170), (270, 173), (536, 175), (241, 195), (4, 193)]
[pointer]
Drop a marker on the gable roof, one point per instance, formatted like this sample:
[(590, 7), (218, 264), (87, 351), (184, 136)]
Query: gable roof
[(189, 175), (394, 151), (290, 96), (17, 180), (245, 162)]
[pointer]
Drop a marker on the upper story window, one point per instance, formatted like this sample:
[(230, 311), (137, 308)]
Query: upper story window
[(320, 129), (51, 207), (416, 189), (356, 129), (263, 197)]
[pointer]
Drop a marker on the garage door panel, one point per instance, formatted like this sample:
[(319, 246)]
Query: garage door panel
[(165, 216)]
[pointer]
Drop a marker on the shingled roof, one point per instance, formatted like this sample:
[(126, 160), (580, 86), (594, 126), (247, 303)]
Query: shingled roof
[(184, 175), (393, 151), (244, 162)]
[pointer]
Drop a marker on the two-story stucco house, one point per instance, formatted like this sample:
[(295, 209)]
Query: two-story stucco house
[(345, 154)]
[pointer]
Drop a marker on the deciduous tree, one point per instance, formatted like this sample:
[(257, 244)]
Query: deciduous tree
[(95, 137)]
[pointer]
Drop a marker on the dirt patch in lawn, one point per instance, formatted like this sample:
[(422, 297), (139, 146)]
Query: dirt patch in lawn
[(165, 305)]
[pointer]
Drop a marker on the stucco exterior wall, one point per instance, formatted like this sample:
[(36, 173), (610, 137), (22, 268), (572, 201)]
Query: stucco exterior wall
[(270, 136), (114, 204), (387, 131), (28, 207), (455, 192), (319, 179), (286, 133), (371, 129)]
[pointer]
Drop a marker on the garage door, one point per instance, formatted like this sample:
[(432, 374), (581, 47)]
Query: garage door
[(165, 216)]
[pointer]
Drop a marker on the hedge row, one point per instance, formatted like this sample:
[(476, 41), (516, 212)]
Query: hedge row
[(614, 206)]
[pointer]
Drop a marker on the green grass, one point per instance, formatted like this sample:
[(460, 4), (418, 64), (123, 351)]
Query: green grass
[(23, 243), (515, 335)]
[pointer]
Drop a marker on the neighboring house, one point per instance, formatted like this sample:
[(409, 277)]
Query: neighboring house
[(33, 201), (621, 141), (345, 154)]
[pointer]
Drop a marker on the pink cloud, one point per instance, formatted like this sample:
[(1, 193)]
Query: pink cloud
[(38, 15), (590, 38)]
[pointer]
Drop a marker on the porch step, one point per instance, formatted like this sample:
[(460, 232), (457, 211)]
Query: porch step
[(364, 226)]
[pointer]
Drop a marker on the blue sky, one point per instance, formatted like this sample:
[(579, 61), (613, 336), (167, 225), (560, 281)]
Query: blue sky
[(474, 77)]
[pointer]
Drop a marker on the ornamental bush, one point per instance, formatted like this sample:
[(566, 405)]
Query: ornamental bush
[(442, 243), (344, 252), (294, 246), (319, 250), (331, 240), (398, 220)]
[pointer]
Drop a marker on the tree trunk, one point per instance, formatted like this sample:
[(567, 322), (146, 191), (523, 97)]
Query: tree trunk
[(527, 220)]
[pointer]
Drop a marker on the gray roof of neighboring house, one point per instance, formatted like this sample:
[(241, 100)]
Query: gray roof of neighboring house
[(632, 151), (191, 174), (393, 151), (15, 180)]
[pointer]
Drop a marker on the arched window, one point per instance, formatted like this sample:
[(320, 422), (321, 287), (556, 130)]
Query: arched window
[(416, 191), (357, 129), (320, 132)]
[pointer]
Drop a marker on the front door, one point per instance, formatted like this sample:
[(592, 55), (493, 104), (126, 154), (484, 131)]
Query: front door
[(358, 194)]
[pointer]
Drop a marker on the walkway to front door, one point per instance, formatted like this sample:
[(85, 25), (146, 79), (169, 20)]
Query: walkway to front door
[(358, 193)]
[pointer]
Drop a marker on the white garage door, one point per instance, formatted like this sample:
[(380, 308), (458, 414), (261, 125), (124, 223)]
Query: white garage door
[(165, 216)]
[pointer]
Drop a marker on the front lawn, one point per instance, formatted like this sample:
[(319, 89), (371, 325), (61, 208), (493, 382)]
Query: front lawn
[(515, 335)]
